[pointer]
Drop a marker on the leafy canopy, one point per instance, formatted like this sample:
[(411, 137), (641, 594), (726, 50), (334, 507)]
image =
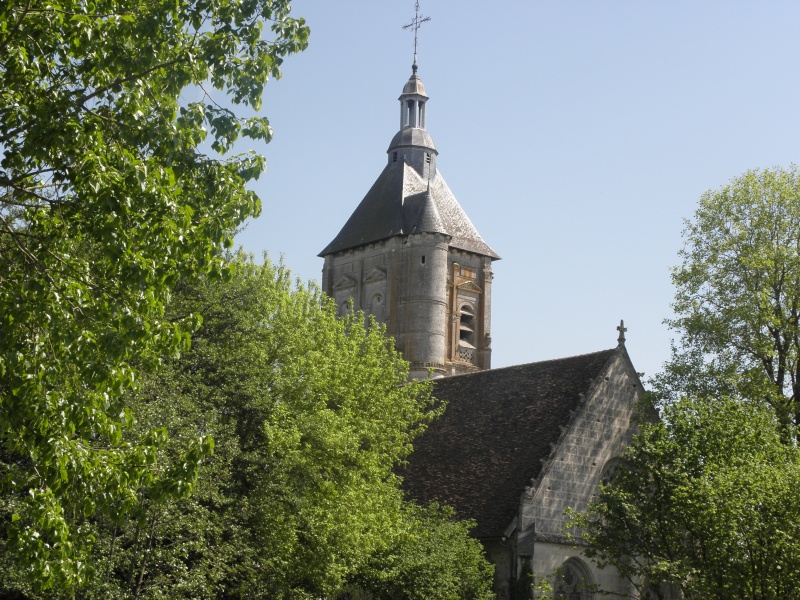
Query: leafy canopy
[(707, 505), (309, 414), (429, 555), (106, 202), (737, 299)]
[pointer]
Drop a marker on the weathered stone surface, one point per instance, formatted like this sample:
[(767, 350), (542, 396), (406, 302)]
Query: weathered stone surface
[(517, 446)]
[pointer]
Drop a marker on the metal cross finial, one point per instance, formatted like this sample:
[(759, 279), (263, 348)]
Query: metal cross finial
[(415, 25), (622, 329)]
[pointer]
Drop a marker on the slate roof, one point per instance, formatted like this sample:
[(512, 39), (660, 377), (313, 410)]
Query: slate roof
[(422, 216), (414, 85), (389, 209), (498, 426), (412, 136)]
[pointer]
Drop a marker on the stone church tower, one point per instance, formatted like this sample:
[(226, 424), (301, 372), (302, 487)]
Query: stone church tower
[(516, 445), (410, 256)]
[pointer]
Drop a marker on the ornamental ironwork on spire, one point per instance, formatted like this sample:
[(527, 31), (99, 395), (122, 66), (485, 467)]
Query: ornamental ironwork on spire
[(414, 26), (413, 98)]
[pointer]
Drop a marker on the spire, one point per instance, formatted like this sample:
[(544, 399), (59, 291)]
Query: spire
[(422, 215), (413, 98), (415, 25)]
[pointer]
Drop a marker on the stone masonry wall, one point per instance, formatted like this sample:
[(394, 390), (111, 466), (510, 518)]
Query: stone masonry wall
[(597, 434)]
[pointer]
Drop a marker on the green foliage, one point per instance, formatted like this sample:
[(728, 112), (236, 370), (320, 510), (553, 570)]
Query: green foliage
[(430, 556), (707, 505), (737, 296), (105, 203), (309, 414)]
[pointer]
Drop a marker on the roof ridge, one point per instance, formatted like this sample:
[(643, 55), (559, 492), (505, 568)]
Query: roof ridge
[(611, 352)]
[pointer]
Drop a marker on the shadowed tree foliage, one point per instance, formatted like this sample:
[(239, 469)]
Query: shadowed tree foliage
[(309, 414), (429, 555), (106, 202), (707, 505)]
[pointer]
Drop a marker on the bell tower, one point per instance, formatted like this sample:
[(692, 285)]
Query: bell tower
[(410, 257)]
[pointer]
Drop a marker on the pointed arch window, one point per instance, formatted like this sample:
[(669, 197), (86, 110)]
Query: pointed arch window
[(574, 581)]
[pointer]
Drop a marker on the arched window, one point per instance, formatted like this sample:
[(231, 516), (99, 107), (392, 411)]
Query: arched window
[(574, 581), (611, 470)]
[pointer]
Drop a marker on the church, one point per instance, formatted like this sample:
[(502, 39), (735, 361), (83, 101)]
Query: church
[(516, 445)]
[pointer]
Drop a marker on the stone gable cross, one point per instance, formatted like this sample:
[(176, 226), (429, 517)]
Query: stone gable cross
[(622, 329)]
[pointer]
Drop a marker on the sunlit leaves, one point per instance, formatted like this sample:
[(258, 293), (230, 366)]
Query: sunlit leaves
[(309, 414), (429, 555), (737, 299), (106, 201)]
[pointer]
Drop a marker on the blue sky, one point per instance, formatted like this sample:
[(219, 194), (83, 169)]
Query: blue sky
[(576, 135)]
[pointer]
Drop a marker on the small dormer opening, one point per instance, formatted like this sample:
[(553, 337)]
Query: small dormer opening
[(422, 260), (428, 157), (394, 156), (376, 308)]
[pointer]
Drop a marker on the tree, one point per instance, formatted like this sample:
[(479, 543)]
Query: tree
[(429, 556), (737, 300), (313, 411), (706, 505), (106, 203), (310, 413)]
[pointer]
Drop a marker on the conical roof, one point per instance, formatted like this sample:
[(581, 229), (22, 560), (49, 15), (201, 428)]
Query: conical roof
[(422, 216)]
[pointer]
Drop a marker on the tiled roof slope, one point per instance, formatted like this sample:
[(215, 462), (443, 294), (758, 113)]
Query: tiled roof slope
[(383, 213), (498, 425)]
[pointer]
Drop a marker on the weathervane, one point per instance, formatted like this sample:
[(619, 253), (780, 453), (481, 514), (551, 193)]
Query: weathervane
[(415, 25)]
